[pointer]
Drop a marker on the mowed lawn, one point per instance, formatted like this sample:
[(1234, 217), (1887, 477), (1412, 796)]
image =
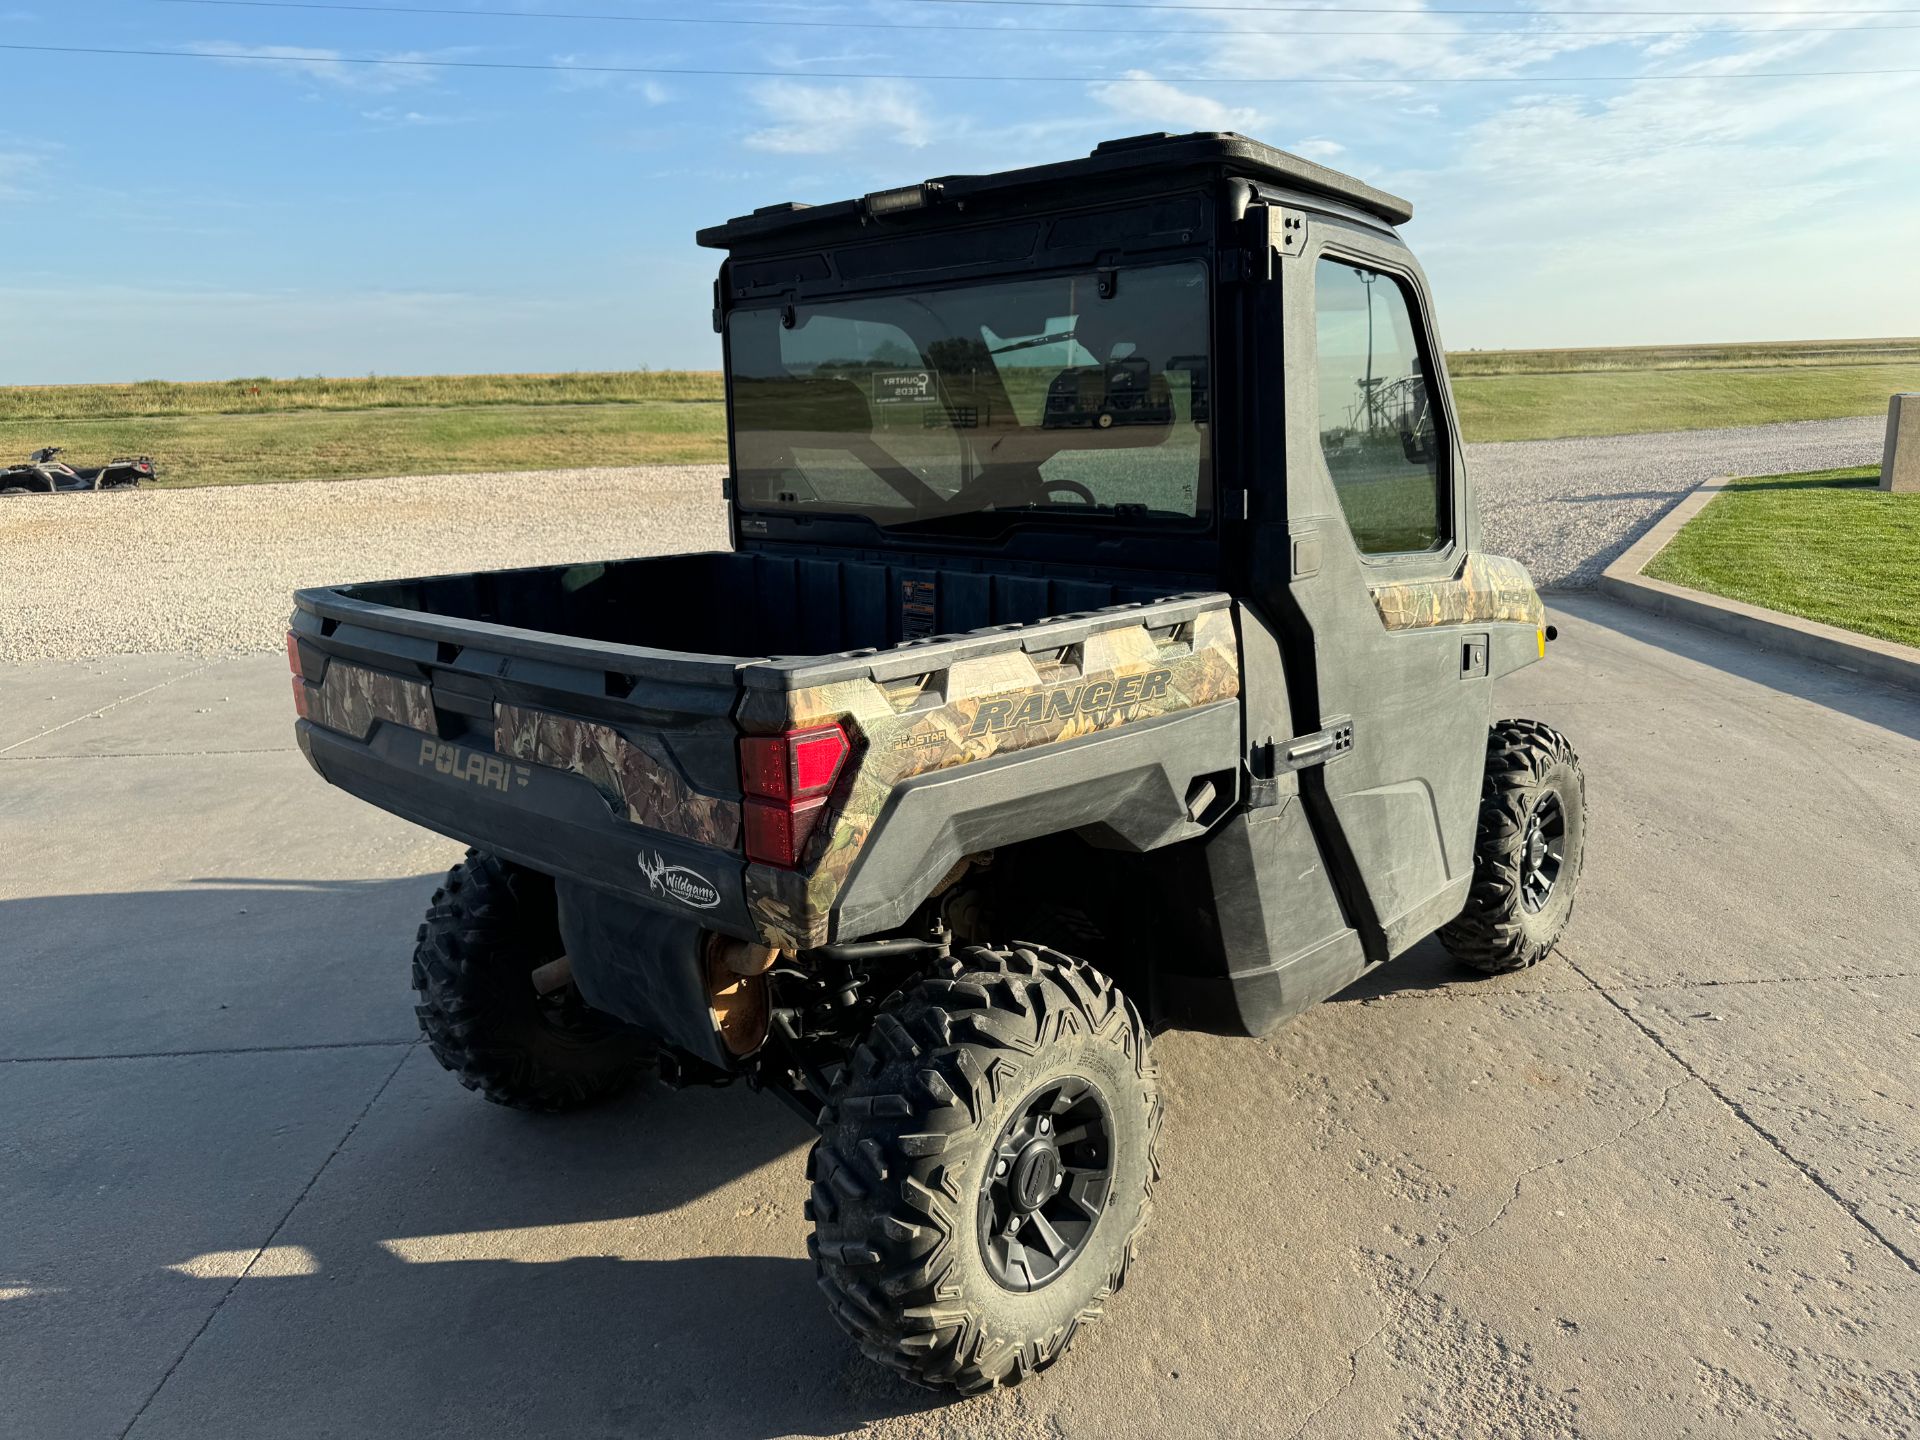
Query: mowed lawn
[(1524, 406), (1829, 546), (353, 444), (242, 431)]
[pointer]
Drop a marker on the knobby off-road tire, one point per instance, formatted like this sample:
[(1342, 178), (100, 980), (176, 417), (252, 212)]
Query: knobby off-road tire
[(911, 1221), (489, 927), (1528, 850)]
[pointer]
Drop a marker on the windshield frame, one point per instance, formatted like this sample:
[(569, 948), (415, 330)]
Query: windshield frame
[(974, 526)]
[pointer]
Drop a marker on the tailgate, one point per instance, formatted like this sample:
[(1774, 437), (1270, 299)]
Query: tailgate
[(609, 763)]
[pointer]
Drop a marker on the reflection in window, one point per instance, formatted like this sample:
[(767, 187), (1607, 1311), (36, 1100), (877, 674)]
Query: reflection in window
[(1378, 427), (1066, 395)]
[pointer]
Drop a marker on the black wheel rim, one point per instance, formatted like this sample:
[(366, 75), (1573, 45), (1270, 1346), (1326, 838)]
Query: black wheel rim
[(1543, 850), (1046, 1184)]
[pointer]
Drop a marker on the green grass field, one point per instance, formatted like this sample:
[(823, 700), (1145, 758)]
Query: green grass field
[(1829, 546), (348, 444), (241, 431), (1541, 406)]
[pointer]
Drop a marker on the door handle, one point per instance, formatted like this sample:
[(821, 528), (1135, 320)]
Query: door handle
[(1319, 747)]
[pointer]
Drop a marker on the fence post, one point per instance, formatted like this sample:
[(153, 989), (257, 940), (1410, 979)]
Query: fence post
[(1900, 464)]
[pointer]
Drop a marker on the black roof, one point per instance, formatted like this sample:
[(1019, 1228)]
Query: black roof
[(1218, 150)]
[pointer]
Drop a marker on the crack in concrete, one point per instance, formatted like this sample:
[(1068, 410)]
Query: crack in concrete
[(211, 1050), (267, 1244), (110, 705), (1741, 1113), (142, 754), (1454, 993), (1417, 1286)]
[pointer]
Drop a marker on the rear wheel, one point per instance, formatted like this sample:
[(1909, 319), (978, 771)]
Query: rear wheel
[(496, 1005), (984, 1168), (1529, 848)]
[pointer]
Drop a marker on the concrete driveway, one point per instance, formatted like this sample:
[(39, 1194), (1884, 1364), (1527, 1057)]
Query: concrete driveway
[(1666, 1184)]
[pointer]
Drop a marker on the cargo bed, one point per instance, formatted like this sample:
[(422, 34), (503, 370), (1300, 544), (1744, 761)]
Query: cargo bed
[(585, 720)]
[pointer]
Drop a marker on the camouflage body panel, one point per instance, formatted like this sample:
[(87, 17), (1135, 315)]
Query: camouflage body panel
[(637, 777), (1489, 590), (977, 708), (350, 698)]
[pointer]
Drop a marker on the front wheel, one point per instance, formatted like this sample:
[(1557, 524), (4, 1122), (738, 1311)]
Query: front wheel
[(985, 1167), (1528, 850), (496, 1006)]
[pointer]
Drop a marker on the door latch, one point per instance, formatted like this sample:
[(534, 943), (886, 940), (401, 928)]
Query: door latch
[(1271, 759)]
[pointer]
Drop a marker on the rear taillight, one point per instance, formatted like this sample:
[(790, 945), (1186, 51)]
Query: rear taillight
[(786, 779), (299, 680)]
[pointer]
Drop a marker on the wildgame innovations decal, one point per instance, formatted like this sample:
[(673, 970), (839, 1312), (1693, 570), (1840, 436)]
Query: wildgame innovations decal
[(983, 706), (677, 882)]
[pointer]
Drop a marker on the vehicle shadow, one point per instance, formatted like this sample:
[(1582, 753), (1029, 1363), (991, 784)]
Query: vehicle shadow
[(452, 1267), (1673, 497), (1427, 966), (1853, 482), (1884, 705), (452, 1288)]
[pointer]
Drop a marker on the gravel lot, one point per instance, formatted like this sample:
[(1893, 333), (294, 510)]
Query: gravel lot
[(1569, 508), (209, 571)]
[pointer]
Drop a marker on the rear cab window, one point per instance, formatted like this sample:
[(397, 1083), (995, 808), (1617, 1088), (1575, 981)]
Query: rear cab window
[(1075, 397)]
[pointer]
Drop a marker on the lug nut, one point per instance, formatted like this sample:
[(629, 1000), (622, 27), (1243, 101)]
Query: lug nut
[(1001, 1168), (1045, 1124)]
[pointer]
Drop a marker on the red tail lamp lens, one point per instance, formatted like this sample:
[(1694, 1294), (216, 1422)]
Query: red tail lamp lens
[(299, 680), (796, 766), (786, 779), (778, 834), (816, 760)]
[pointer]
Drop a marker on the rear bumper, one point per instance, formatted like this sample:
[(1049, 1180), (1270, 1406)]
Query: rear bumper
[(546, 819)]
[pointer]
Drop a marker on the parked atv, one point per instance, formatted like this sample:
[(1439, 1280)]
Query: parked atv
[(44, 474), (1151, 687)]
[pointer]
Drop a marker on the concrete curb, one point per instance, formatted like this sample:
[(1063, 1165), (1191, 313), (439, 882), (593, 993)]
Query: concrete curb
[(1863, 655)]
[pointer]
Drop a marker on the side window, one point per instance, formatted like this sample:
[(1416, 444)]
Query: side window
[(1378, 425)]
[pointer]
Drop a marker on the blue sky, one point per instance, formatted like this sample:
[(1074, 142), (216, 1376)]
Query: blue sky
[(206, 218)]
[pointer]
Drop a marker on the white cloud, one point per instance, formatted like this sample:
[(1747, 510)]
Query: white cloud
[(325, 67), (616, 70), (15, 167), (1672, 211), (394, 116), (21, 162), (1150, 103), (1317, 148), (814, 119)]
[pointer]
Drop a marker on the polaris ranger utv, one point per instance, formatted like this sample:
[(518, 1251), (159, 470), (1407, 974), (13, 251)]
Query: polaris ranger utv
[(1105, 646)]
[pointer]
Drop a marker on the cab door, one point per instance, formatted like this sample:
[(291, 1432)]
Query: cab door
[(1379, 537)]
